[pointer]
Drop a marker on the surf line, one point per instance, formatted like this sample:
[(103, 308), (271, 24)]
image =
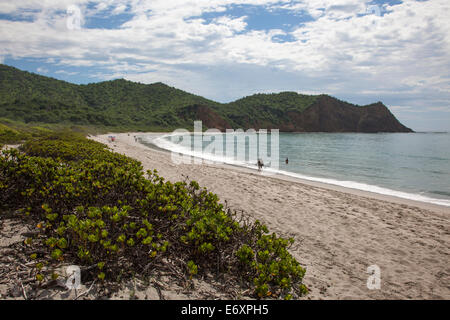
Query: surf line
[(233, 147)]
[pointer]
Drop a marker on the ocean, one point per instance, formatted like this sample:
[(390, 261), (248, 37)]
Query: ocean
[(413, 166)]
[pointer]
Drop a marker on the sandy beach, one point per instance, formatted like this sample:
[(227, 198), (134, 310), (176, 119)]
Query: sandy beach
[(339, 232)]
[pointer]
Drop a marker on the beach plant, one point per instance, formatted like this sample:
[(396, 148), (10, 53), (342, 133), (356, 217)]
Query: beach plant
[(99, 209)]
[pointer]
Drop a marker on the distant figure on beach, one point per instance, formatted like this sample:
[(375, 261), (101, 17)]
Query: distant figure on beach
[(260, 164), (135, 139), (287, 160)]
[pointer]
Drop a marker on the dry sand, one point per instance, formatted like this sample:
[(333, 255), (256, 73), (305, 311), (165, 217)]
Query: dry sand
[(340, 232)]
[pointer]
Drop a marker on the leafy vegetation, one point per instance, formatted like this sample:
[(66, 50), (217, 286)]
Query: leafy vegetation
[(118, 104), (14, 132), (121, 105), (267, 110), (98, 209), (125, 105)]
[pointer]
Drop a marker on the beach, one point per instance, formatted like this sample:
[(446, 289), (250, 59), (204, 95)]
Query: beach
[(339, 232)]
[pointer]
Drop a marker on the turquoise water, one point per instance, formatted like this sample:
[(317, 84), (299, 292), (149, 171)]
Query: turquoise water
[(415, 166)]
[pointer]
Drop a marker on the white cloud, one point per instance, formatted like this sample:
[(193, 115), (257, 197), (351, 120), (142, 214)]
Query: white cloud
[(15, 7), (119, 9), (441, 109), (64, 72), (237, 25), (364, 44), (408, 109)]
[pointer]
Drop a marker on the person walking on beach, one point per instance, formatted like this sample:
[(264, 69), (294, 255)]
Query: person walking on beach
[(260, 164)]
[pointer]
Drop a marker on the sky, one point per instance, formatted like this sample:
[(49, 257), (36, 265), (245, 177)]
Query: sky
[(360, 51)]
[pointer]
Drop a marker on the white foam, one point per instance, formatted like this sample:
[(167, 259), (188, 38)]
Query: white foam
[(369, 188), (163, 143)]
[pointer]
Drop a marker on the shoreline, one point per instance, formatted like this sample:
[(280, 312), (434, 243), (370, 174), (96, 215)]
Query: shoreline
[(339, 232), (437, 208)]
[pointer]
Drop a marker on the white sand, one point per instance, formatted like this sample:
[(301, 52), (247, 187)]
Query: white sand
[(339, 232)]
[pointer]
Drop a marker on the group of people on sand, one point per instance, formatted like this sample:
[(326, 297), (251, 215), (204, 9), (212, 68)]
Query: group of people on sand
[(135, 138)]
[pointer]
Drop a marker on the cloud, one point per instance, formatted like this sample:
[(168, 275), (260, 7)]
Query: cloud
[(119, 9), (64, 72), (234, 25), (15, 7), (441, 109)]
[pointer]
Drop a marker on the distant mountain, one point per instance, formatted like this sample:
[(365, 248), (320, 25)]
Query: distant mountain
[(126, 105)]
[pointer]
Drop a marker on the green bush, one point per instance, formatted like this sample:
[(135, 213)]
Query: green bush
[(10, 135), (95, 207), (70, 146), (14, 132)]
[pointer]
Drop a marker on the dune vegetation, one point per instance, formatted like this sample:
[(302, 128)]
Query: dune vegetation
[(98, 209)]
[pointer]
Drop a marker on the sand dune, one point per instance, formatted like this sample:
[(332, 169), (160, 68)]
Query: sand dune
[(339, 232)]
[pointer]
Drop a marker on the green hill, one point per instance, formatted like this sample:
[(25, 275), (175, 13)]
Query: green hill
[(266, 110), (29, 97), (125, 105)]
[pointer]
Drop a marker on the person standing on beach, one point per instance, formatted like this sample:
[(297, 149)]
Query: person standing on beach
[(260, 164), (287, 160)]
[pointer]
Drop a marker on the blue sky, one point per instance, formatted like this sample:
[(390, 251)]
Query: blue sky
[(360, 51)]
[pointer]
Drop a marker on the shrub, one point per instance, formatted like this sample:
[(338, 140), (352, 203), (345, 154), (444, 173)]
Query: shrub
[(96, 208), (71, 146), (10, 135)]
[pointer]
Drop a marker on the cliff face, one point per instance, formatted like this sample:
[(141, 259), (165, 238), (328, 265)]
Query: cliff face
[(321, 114), (328, 114)]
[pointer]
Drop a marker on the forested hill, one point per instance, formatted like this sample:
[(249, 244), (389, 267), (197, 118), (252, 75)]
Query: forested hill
[(121, 104), (126, 105)]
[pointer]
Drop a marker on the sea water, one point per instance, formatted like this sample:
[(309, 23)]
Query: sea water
[(413, 166)]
